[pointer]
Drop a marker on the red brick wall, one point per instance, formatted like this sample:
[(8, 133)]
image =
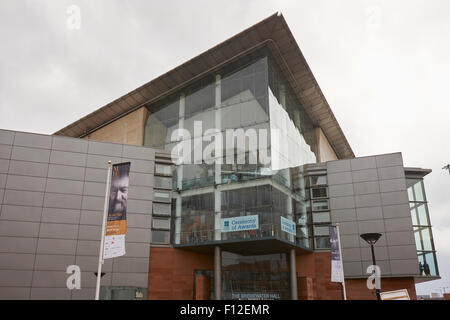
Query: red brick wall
[(202, 287), (171, 273)]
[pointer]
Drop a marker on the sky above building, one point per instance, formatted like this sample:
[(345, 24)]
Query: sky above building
[(383, 67)]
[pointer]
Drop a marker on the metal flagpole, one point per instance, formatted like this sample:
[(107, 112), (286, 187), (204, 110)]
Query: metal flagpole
[(342, 262), (102, 243)]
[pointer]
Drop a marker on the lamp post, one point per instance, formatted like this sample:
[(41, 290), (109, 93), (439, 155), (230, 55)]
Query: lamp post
[(372, 238)]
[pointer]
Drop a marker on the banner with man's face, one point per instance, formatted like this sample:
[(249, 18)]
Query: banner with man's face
[(116, 225)]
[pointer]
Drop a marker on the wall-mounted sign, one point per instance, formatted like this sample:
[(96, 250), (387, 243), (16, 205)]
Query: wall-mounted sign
[(395, 295), (240, 223), (288, 226)]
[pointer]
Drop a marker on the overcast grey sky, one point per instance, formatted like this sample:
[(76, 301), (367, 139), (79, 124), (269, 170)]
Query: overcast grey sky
[(382, 65)]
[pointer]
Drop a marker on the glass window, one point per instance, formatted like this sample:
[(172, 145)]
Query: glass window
[(160, 236), (415, 190), (165, 183), (419, 213), (321, 217), (161, 209), (318, 180), (161, 122), (159, 223), (319, 192), (320, 205), (322, 242), (321, 230), (161, 195), (163, 169)]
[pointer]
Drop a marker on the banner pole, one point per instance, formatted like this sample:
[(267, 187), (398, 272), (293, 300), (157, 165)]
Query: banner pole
[(342, 262), (102, 243)]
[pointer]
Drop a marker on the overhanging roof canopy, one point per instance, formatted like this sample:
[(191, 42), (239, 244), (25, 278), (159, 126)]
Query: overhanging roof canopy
[(272, 32)]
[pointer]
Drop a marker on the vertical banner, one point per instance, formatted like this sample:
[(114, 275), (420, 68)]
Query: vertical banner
[(116, 226), (336, 262)]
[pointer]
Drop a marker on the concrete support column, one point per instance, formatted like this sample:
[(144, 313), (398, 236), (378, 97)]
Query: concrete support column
[(217, 273), (293, 275)]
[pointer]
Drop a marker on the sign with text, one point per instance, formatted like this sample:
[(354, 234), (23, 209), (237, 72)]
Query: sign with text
[(288, 226), (240, 223), (336, 263), (116, 225)]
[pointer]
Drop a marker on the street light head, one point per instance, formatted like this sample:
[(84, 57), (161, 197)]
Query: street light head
[(371, 238)]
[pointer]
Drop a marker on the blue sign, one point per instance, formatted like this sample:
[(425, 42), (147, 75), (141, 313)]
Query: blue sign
[(240, 223), (288, 226)]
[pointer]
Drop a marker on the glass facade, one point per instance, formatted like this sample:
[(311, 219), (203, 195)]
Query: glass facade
[(422, 228)]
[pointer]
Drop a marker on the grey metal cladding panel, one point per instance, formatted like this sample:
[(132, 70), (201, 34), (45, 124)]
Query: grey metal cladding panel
[(66, 201), (392, 185), (30, 154), (338, 166), (353, 268), (14, 293), (369, 213), (58, 215), (399, 224), (403, 252), (25, 183), (3, 178), (83, 294), (396, 211), (400, 238), (50, 279), (57, 246), (367, 187), (391, 173), (58, 231), (365, 175), (27, 198), (91, 232), (351, 254), (90, 263), (139, 206), (5, 151), (2, 191), (342, 203), (139, 220), (96, 175), (135, 152), (69, 144), (21, 213), (136, 265), (89, 280), (88, 248), (340, 190), (395, 197), (18, 244), (350, 241), (94, 189), (19, 228), (384, 265), (6, 137), (343, 215), (68, 158), (53, 262), (33, 169), (389, 160), (130, 279), (33, 140), (16, 261), (100, 161), (4, 164), (138, 235), (50, 294), (15, 278), (363, 163), (64, 186), (368, 200), (371, 226), (66, 172), (103, 148), (350, 227), (137, 250), (405, 267), (339, 178), (93, 218), (141, 179), (140, 193), (381, 253), (95, 203), (140, 165)]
